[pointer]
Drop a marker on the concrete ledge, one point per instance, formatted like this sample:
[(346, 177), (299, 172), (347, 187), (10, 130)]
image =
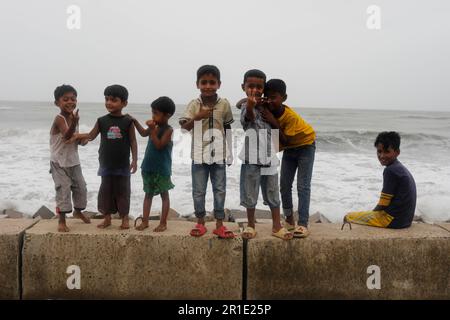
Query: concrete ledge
[(116, 264), (332, 264), (445, 226), (11, 233)]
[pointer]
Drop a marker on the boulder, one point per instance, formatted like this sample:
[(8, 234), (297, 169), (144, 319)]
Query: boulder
[(44, 213)]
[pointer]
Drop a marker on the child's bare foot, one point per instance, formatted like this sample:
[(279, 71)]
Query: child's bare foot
[(62, 227), (125, 223), (106, 222), (79, 215), (160, 228)]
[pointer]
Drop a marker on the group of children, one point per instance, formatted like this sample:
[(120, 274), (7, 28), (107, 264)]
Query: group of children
[(270, 126)]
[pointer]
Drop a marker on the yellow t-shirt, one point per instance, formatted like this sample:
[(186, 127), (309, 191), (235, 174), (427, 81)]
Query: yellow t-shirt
[(297, 131)]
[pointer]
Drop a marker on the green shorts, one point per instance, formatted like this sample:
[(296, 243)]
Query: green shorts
[(155, 183)]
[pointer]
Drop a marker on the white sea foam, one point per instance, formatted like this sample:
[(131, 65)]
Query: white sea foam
[(347, 175)]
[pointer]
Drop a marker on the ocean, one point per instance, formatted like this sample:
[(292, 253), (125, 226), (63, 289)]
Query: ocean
[(347, 175)]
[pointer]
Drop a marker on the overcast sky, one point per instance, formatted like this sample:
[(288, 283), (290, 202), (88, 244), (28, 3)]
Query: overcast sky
[(323, 49)]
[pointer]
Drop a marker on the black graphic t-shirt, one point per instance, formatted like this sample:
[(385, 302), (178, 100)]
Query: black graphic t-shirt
[(114, 151)]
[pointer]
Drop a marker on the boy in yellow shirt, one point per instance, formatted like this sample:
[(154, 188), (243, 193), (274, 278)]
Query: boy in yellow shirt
[(297, 140)]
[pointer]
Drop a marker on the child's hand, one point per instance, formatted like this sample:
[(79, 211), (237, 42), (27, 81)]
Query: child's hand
[(76, 116), (204, 113), (72, 139), (151, 124), (253, 100), (269, 118), (133, 167), (83, 142)]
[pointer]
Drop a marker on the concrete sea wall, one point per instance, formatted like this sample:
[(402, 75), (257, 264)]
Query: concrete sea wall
[(37, 262)]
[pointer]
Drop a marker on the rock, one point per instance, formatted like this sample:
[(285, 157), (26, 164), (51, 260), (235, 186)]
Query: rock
[(90, 214), (44, 213), (208, 218), (98, 215), (324, 219), (13, 214), (235, 215), (318, 218), (418, 219), (156, 215), (173, 215), (3, 216)]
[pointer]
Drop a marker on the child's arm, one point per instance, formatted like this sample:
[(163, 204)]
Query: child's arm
[(91, 135), (379, 208), (143, 132), (384, 202), (67, 132), (160, 143), (203, 113), (251, 104), (134, 149), (390, 183), (270, 119)]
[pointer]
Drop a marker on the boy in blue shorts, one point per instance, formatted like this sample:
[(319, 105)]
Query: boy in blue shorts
[(397, 203), (117, 139), (259, 167)]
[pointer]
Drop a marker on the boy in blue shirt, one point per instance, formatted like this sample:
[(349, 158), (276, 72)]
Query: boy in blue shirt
[(397, 203)]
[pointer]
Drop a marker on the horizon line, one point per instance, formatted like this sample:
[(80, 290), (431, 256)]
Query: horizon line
[(436, 109)]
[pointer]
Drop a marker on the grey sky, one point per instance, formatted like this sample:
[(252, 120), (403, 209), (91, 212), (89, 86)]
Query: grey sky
[(322, 49)]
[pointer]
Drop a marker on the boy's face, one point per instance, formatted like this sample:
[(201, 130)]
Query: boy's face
[(208, 85), (114, 105), (160, 117), (67, 103), (253, 87), (386, 156), (275, 100)]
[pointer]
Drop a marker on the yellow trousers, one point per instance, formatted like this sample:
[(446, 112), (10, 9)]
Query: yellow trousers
[(370, 218)]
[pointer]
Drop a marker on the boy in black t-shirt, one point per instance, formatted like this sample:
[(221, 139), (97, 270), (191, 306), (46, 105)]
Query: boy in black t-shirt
[(117, 138), (398, 198)]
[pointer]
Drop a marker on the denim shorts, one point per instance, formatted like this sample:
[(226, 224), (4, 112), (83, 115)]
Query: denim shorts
[(251, 180)]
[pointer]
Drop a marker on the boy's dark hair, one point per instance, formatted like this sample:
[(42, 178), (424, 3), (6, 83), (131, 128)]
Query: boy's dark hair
[(117, 91), (254, 73), (62, 90), (275, 85), (388, 139), (164, 104), (208, 69)]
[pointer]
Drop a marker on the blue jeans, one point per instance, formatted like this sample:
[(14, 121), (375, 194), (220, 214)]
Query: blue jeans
[(200, 174), (301, 158)]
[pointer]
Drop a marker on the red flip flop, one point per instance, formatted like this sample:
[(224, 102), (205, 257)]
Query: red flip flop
[(224, 233), (198, 230)]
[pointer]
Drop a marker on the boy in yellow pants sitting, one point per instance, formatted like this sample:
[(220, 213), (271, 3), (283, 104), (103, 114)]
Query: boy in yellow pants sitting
[(398, 198)]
